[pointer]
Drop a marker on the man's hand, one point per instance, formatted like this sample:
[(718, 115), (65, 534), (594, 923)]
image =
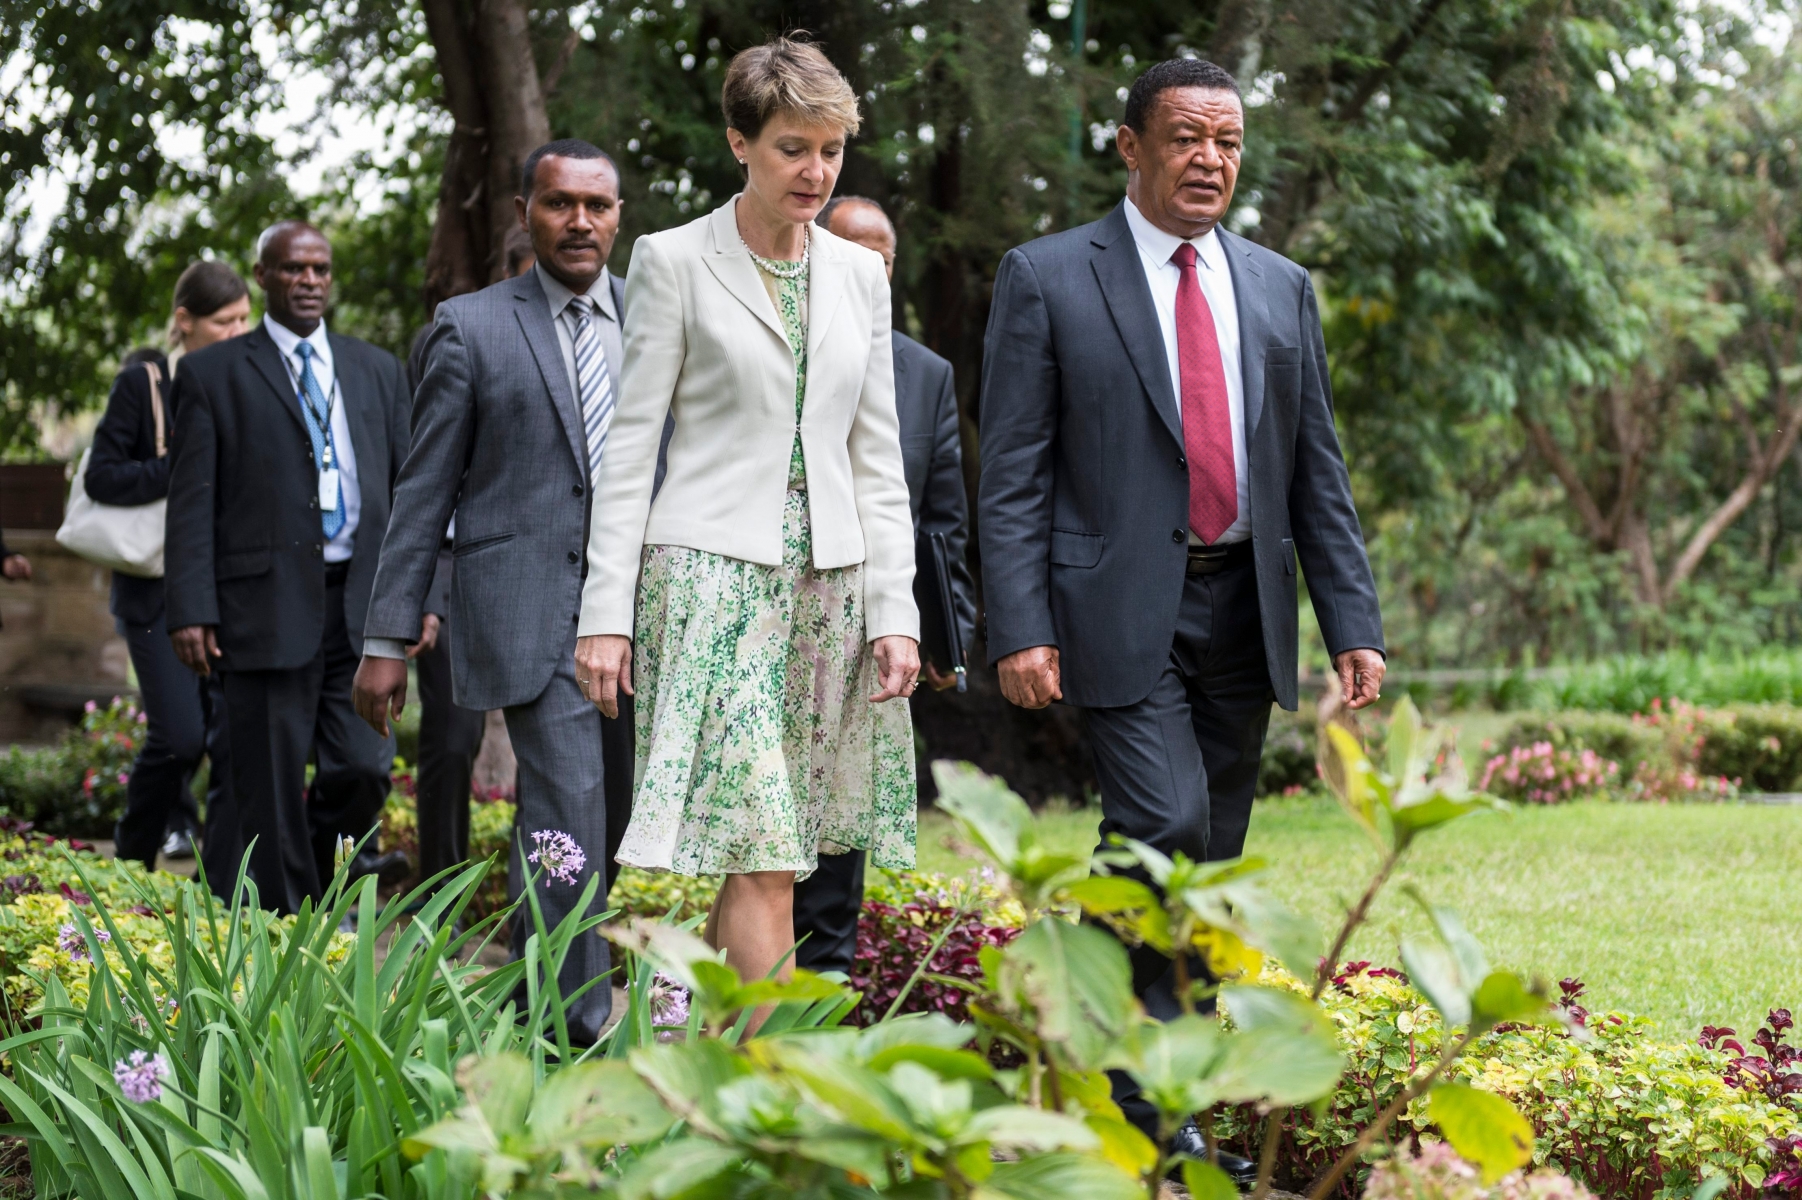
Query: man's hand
[(428, 636), (15, 567), (897, 667), (1032, 678), (1360, 676), (936, 679), (379, 689), (604, 670), (196, 646)]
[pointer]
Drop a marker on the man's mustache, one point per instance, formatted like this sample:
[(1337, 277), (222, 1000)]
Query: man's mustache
[(578, 243)]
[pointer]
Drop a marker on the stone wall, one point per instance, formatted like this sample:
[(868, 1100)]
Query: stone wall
[(58, 647)]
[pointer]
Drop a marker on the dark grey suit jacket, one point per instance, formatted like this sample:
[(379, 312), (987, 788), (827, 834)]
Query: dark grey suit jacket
[(1084, 499), (932, 456), (244, 547), (497, 437)]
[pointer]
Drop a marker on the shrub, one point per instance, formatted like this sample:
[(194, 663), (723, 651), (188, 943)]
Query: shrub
[(1758, 744), (1288, 762), (76, 788), (892, 943), (1539, 774), (1612, 736)]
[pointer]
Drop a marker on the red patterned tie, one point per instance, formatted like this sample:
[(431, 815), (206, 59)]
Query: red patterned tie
[(1207, 425)]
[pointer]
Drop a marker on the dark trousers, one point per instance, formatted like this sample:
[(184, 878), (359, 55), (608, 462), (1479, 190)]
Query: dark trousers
[(1178, 769), (575, 777), (276, 718), (157, 800), (449, 737), (827, 904)]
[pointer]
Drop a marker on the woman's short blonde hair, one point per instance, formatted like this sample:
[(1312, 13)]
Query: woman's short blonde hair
[(790, 76)]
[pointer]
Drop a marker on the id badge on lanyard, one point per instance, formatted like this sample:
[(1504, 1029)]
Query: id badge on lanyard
[(328, 471)]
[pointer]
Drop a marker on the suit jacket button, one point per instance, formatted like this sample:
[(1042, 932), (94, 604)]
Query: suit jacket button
[(574, 557), (1176, 535), (1182, 464), (576, 490)]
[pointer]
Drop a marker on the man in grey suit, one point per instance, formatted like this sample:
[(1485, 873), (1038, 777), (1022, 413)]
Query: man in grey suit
[(510, 421), (827, 902), (1157, 450)]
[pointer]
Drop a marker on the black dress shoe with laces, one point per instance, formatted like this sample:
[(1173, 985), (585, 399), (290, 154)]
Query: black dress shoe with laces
[(1188, 1141)]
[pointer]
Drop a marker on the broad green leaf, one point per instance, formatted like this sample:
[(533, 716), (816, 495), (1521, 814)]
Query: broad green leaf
[(502, 1088), (1293, 939), (597, 1104), (1206, 1181), (1483, 1127), (1432, 969), (993, 817), (1112, 894), (914, 1029), (1059, 1177), (1016, 1126), (1503, 997), (1123, 1144), (1172, 1060), (1406, 738), (1078, 981), (687, 1075), (1276, 1064), (946, 1064), (675, 1167), (1254, 1007), (940, 1107)]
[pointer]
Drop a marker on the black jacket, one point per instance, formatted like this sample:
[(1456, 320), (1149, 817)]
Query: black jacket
[(1084, 500), (933, 458), (123, 469), (245, 549)]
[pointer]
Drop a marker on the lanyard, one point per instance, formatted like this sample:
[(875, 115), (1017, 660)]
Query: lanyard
[(325, 421)]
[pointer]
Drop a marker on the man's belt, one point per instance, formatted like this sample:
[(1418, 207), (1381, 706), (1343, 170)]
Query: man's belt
[(336, 573), (1211, 560)]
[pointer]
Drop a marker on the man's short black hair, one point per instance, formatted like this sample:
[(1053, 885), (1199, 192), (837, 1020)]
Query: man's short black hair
[(561, 148), (824, 218), (1175, 73)]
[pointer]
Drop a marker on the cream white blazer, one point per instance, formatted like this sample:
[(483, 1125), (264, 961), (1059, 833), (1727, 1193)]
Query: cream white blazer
[(703, 340)]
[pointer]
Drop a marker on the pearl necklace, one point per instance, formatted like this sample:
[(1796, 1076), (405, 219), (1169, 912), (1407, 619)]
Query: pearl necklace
[(779, 268)]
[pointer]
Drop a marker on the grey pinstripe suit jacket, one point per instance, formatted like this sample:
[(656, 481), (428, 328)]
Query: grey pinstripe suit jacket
[(497, 436)]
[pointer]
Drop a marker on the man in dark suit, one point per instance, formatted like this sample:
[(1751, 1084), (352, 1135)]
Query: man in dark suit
[(504, 441), (827, 903), (287, 443), (1157, 450)]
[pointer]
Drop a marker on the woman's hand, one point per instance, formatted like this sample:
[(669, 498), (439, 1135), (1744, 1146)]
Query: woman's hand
[(897, 666), (604, 670)]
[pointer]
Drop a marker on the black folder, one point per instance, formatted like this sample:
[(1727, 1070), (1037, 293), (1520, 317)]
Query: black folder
[(940, 638)]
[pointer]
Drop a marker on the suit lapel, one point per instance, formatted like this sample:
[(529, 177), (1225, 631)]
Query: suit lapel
[(534, 313), (1122, 279), (1254, 326), (268, 362), (825, 292), (731, 264), (355, 392), (902, 395)]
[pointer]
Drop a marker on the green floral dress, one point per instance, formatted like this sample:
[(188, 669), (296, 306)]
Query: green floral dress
[(758, 747)]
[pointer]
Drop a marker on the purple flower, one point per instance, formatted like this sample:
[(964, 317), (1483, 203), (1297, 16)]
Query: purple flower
[(669, 1001), (141, 1076), (558, 854), (90, 706), (70, 941)]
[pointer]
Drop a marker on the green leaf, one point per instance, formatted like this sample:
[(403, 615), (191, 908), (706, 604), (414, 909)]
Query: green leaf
[(1078, 981), (316, 1153), (1206, 1181), (1059, 1177), (1434, 972), (1295, 940), (1171, 1060), (675, 1167), (990, 814), (1297, 1064), (1123, 1144), (596, 1104), (1483, 1127), (946, 1064), (914, 1029), (1406, 734), (502, 1088), (1016, 1126), (1503, 997)]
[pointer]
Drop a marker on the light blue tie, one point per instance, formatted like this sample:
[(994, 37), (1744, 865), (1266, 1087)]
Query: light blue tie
[(595, 384), (313, 405)]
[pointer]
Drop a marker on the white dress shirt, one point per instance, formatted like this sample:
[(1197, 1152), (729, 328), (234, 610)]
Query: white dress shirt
[(1155, 248), (612, 345), (286, 341)]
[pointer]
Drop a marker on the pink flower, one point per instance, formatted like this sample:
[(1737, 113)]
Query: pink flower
[(558, 854), (141, 1076), (90, 706), (70, 941), (124, 778)]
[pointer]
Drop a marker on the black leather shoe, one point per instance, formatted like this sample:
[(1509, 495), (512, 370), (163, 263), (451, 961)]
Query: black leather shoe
[(1188, 1141), (388, 869)]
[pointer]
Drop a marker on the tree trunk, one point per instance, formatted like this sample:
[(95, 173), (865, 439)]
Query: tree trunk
[(491, 87)]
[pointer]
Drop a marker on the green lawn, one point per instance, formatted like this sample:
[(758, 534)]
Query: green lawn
[(1686, 913)]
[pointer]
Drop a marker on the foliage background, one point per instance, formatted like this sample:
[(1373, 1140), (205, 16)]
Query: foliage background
[(1555, 241)]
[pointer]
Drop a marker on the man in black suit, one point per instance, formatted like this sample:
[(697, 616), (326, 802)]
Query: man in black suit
[(828, 901), (1157, 450), (287, 443)]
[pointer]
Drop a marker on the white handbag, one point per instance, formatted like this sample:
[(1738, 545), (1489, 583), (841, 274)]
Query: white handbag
[(126, 537)]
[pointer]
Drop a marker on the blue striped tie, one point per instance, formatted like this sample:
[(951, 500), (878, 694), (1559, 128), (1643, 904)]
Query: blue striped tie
[(595, 384), (313, 403)]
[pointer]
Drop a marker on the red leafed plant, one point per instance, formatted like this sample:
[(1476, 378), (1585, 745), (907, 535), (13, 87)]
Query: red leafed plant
[(1776, 1073), (891, 941)]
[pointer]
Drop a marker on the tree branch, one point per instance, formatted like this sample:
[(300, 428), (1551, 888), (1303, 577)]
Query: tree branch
[(1736, 503), (1392, 57), (553, 74), (1566, 471)]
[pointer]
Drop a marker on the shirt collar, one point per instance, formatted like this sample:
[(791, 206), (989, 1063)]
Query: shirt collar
[(286, 339), (600, 291), (1158, 245)]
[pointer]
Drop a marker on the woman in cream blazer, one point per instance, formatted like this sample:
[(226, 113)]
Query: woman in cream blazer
[(762, 603)]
